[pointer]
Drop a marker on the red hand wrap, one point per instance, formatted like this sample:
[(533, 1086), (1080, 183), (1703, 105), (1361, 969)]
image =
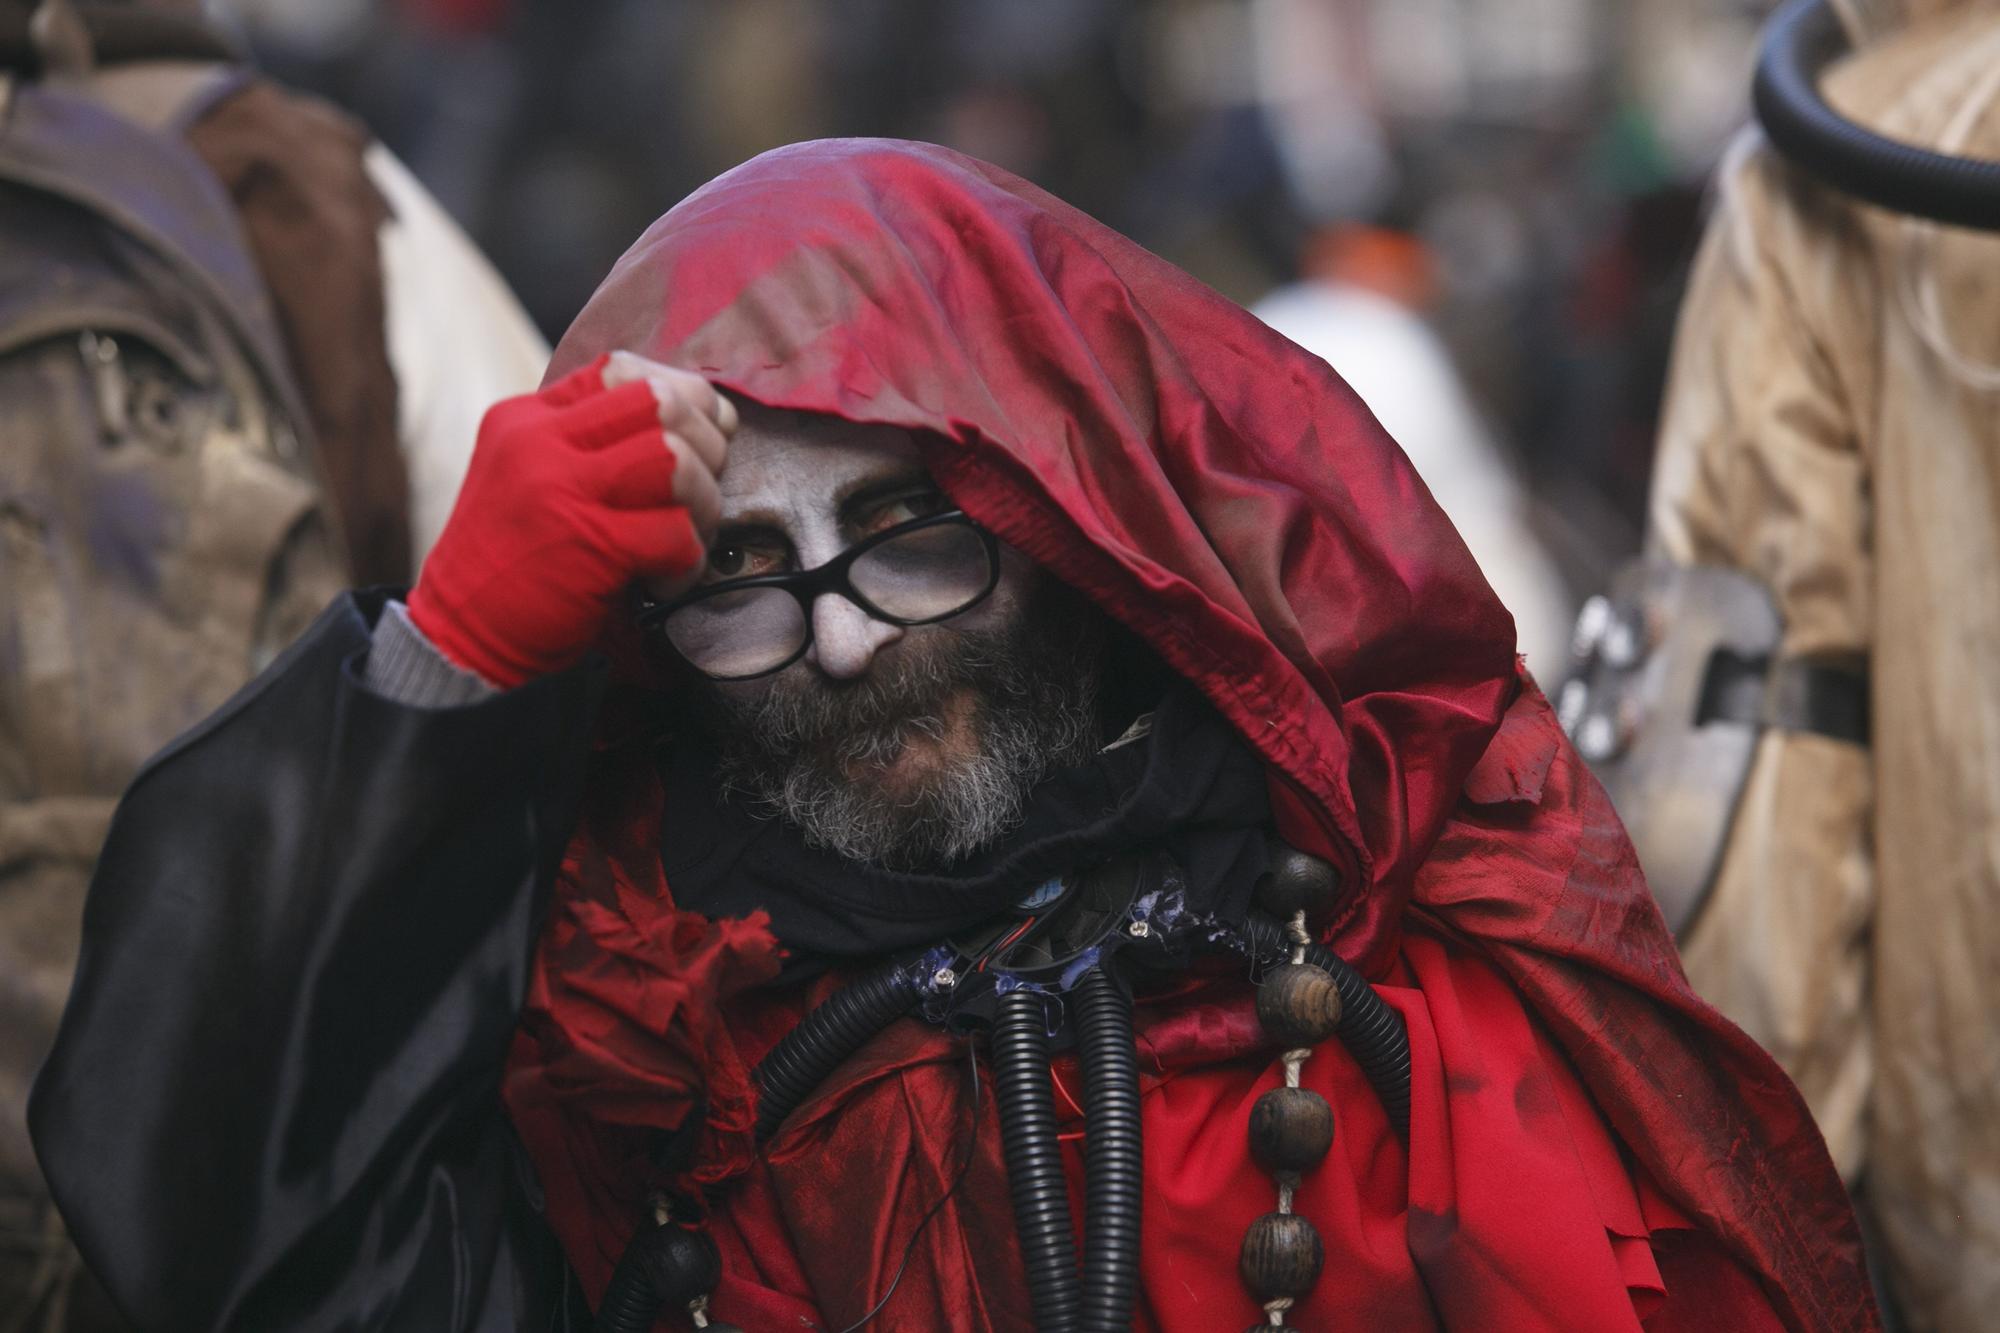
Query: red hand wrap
[(569, 498)]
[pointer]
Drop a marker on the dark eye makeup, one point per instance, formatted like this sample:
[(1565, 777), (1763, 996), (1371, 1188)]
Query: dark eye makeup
[(757, 548), (740, 553)]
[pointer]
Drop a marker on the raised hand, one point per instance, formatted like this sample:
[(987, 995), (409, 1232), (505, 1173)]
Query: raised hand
[(604, 477)]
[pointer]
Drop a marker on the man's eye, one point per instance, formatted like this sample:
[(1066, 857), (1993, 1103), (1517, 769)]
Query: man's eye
[(904, 508), (739, 559)]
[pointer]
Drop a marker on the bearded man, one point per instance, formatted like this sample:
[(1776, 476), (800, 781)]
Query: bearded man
[(1047, 652)]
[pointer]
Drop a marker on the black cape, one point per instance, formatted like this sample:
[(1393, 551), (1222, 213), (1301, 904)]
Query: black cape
[(274, 1099)]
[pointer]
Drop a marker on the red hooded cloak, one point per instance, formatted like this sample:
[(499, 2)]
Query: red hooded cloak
[(1591, 1147)]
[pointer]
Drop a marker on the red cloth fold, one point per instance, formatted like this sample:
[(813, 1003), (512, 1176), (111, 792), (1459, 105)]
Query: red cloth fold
[(622, 1035), (1225, 495)]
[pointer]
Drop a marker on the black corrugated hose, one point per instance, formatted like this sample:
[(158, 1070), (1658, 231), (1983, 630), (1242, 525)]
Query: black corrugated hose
[(630, 1304), (1034, 1160), (1800, 41), (1113, 1152), (1372, 1031), (836, 1028), (662, 1265)]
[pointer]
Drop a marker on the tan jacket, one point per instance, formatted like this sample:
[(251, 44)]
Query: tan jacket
[(1818, 438)]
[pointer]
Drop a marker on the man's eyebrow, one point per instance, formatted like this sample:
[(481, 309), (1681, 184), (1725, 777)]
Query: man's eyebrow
[(858, 495), (752, 523)]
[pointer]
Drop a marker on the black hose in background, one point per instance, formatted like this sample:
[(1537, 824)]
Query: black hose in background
[(662, 1266), (1114, 1160), (1372, 1032), (1034, 1160), (1801, 39), (837, 1027), (630, 1304)]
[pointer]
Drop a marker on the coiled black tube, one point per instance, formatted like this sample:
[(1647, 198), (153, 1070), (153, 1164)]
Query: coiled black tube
[(1372, 1032), (1801, 39), (661, 1266), (630, 1304), (1113, 1153), (838, 1027), (1034, 1160)]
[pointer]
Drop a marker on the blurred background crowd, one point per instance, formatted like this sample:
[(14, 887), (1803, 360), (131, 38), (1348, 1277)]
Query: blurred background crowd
[(1523, 175)]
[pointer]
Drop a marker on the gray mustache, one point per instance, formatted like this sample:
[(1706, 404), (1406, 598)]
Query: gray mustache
[(1034, 697)]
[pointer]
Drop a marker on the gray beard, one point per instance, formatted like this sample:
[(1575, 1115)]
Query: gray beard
[(1034, 686)]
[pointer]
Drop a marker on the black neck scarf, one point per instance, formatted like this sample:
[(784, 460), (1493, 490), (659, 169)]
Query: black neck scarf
[(1190, 787)]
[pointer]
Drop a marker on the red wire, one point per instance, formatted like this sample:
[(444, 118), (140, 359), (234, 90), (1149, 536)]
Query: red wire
[(994, 952), (1074, 1104), (1074, 1134)]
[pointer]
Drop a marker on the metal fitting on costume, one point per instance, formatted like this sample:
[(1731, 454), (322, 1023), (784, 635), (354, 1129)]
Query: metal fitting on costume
[(1676, 676)]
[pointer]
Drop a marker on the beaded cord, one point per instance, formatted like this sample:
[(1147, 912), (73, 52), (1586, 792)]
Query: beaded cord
[(1291, 1127), (1294, 1060)]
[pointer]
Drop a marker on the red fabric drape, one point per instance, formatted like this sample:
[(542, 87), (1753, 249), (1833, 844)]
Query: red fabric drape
[(1593, 1146)]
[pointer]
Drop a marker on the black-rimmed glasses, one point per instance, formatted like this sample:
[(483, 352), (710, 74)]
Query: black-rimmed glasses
[(927, 569)]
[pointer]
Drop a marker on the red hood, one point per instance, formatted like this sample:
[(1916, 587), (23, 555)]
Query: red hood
[(1212, 485), (1224, 494)]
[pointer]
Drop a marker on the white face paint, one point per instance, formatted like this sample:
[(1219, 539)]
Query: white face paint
[(907, 747), (800, 488)]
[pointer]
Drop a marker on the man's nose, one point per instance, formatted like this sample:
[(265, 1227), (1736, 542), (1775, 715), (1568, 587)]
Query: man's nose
[(846, 638)]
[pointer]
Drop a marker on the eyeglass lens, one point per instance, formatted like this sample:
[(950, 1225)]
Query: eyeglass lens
[(925, 574), (742, 633)]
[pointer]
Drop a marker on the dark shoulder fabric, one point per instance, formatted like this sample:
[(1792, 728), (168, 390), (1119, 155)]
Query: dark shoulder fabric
[(273, 1102)]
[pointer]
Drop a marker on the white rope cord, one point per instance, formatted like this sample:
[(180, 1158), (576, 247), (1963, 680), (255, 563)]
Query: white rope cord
[(1296, 930)]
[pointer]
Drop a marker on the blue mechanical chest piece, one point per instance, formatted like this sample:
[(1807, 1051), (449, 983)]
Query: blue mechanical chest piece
[(1108, 919)]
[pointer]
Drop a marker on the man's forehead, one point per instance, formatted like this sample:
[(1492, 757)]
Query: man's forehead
[(803, 458)]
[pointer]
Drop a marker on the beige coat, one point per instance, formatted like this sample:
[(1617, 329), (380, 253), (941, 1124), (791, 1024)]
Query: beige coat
[(1826, 435), (162, 535)]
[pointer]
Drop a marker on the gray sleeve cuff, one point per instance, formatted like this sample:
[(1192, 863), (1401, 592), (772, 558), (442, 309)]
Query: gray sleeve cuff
[(404, 666)]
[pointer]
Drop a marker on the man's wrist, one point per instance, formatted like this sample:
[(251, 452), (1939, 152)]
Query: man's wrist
[(407, 667)]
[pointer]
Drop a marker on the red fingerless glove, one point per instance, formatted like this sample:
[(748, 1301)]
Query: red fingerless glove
[(569, 498)]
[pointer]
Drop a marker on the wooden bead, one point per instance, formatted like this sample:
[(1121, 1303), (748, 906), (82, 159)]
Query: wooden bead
[(1281, 1256), (682, 1264), (1297, 882), (1290, 1130), (1298, 1004)]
